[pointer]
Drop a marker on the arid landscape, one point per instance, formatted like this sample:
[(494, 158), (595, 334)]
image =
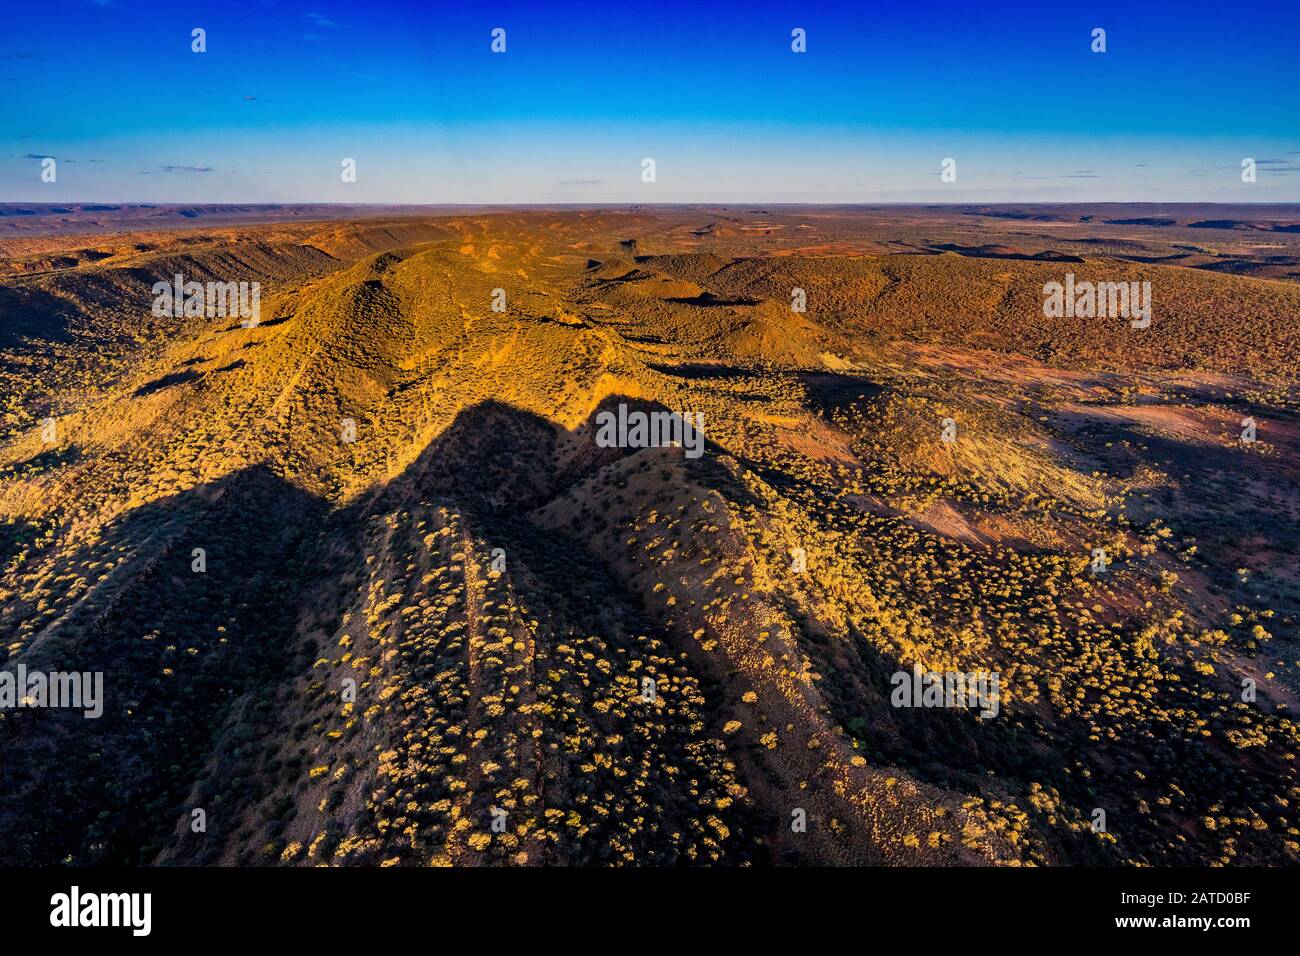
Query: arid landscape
[(365, 589)]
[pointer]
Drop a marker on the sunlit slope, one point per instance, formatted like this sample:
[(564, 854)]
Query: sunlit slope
[(431, 599)]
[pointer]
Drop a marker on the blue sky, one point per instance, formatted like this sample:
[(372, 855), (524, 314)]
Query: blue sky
[(710, 91)]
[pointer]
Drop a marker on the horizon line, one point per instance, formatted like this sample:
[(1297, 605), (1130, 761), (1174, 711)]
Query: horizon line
[(144, 203)]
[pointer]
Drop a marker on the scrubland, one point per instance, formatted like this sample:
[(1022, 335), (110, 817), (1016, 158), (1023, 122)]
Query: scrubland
[(429, 645)]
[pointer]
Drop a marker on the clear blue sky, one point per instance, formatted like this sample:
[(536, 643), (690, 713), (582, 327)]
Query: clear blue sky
[(585, 91)]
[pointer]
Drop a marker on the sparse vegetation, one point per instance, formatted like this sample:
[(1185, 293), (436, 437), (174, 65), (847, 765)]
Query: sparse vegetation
[(353, 680)]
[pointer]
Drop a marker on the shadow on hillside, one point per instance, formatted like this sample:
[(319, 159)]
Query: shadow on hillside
[(50, 458), (703, 370), (178, 648), (495, 458), (1125, 448), (175, 648), (496, 463), (15, 534), (1001, 758), (709, 300), (194, 664), (166, 381), (28, 313), (828, 392)]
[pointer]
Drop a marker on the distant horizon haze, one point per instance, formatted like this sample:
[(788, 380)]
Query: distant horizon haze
[(284, 93)]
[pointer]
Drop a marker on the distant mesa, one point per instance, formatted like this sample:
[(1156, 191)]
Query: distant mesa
[(1003, 252), (1142, 221), (1245, 224)]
